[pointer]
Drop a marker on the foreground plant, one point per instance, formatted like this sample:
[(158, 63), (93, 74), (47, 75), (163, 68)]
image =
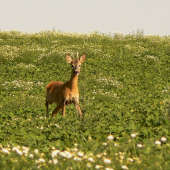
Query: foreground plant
[(125, 98)]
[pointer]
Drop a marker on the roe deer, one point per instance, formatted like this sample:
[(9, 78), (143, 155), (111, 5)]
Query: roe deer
[(65, 93)]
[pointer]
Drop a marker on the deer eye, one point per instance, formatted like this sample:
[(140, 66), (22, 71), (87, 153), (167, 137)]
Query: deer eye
[(72, 66), (79, 65)]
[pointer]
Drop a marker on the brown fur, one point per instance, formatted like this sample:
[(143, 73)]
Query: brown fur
[(65, 93)]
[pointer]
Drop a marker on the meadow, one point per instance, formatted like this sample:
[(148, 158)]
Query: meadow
[(124, 89)]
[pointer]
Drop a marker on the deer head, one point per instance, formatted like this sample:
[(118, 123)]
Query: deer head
[(76, 63)]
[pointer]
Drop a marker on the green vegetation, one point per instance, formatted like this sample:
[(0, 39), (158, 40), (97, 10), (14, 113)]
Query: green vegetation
[(124, 89)]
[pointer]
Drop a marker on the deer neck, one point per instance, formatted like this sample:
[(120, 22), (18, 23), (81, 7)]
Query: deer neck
[(73, 81)]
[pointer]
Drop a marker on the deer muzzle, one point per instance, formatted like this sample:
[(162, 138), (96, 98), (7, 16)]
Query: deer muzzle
[(76, 72)]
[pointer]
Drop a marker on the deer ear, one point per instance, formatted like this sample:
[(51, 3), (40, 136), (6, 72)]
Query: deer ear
[(83, 58), (68, 58)]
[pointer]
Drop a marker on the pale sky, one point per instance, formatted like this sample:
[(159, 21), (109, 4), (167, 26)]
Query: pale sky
[(83, 16)]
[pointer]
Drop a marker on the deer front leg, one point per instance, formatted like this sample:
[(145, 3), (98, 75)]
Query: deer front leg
[(78, 109), (56, 110), (76, 103)]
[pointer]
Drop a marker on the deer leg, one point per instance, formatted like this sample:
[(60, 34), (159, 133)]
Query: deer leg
[(46, 104), (56, 110), (63, 110), (76, 103)]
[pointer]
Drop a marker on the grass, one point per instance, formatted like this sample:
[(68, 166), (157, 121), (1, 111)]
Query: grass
[(124, 89)]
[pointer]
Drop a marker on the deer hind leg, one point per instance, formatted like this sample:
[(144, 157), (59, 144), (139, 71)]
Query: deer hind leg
[(46, 104), (56, 110)]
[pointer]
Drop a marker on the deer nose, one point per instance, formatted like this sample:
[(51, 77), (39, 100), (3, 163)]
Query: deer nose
[(76, 72)]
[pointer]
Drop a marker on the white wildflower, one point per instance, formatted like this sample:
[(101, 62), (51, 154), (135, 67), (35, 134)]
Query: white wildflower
[(55, 153), (14, 148), (91, 159), (75, 144), (124, 167), (25, 148), (36, 151), (74, 149), (105, 144), (116, 144), (110, 137), (53, 147), (109, 168), (99, 155), (158, 142), (19, 152), (121, 157), (5, 150), (77, 158), (98, 167), (130, 160), (163, 139), (133, 135), (81, 154), (68, 154), (31, 155), (104, 153), (107, 161), (41, 160), (139, 145), (55, 161)]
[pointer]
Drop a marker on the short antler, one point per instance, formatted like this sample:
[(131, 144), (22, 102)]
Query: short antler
[(77, 55)]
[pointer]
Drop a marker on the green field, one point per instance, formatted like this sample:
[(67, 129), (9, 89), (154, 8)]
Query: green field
[(124, 89)]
